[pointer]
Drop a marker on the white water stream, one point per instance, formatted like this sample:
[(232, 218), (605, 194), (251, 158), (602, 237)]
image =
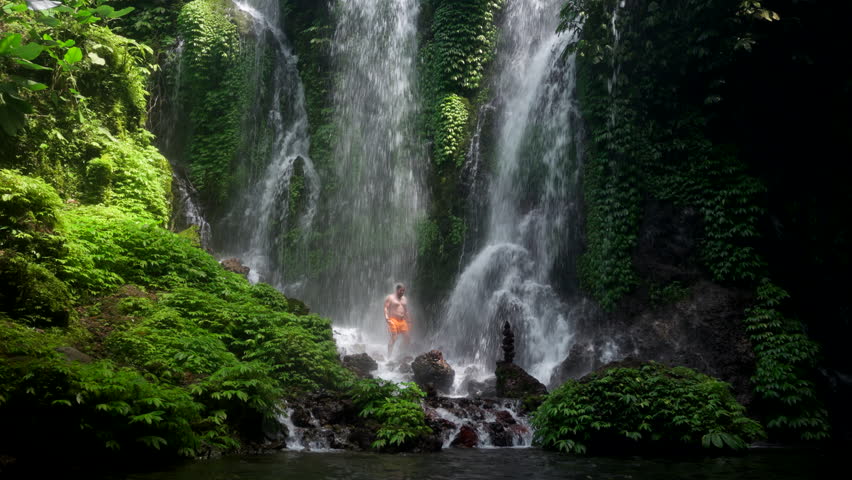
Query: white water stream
[(275, 147), (533, 213)]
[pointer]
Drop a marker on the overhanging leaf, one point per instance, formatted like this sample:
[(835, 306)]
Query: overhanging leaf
[(9, 42), (28, 52), (73, 55)]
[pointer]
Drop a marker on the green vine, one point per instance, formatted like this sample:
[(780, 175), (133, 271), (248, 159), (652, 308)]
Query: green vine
[(785, 356), (452, 130), (650, 98)]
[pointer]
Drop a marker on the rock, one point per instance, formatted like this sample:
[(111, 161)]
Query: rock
[(301, 417), (274, 432), (514, 382), (508, 343), (431, 368), (500, 435), (361, 364), (505, 417), (580, 361), (466, 438), (235, 265), (74, 355), (485, 388)]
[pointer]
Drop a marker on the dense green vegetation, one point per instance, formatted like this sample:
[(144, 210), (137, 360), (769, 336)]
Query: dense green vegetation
[(184, 353), (122, 336), (650, 406), (656, 102), (116, 333)]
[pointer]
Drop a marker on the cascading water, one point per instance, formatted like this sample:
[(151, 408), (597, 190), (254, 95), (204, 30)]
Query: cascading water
[(533, 212), (379, 193), (275, 146)]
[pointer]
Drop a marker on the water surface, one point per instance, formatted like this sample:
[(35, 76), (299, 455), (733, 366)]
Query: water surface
[(494, 464)]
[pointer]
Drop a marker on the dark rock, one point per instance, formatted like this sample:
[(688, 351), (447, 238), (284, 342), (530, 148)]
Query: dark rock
[(505, 417), (499, 434), (466, 438), (436, 422), (514, 382), (361, 364), (405, 365), (235, 265), (508, 343), (274, 432), (301, 417), (581, 360), (431, 368), (73, 355), (485, 388)]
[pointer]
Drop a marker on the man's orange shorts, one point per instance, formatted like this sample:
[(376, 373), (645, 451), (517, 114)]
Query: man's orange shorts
[(397, 325)]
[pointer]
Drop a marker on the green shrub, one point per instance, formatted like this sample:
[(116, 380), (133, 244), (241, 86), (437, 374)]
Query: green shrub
[(784, 356), (29, 213), (652, 406), (111, 247), (395, 406)]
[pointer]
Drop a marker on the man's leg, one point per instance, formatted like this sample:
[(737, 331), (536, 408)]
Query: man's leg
[(391, 342), (406, 338)]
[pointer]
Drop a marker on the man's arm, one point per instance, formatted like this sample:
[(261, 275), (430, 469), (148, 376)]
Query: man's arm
[(387, 302)]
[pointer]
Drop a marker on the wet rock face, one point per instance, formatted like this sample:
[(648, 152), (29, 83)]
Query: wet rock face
[(582, 359), (677, 316), (466, 438), (477, 422), (361, 364), (431, 369), (486, 388), (514, 382)]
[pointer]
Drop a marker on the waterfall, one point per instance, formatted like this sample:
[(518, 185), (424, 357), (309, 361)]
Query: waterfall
[(531, 236), (378, 194), (274, 150)]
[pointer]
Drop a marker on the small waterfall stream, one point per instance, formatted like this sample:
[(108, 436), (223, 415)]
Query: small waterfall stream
[(275, 146), (533, 213)]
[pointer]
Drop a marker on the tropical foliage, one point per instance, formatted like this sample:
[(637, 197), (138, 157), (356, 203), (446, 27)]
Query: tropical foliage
[(650, 406)]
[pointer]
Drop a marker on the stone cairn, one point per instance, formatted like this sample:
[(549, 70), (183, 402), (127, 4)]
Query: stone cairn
[(508, 343)]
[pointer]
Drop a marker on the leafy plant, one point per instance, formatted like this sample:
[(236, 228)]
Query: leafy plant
[(784, 356), (395, 406), (650, 406)]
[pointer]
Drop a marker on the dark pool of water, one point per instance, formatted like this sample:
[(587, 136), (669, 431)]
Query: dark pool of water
[(757, 464)]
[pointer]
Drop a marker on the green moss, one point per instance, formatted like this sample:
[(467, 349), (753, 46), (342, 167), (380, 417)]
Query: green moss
[(31, 294)]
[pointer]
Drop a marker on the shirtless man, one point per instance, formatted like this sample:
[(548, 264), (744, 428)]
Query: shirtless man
[(396, 315)]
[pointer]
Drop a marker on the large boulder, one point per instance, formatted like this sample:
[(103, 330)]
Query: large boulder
[(431, 369), (514, 382), (235, 265), (466, 438), (361, 364)]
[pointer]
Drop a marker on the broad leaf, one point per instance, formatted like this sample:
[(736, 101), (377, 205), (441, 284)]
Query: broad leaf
[(73, 55)]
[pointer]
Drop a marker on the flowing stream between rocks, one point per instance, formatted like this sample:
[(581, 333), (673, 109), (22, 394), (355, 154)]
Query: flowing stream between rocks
[(757, 464)]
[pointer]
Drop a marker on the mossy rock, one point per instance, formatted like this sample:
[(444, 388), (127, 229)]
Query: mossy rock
[(31, 294)]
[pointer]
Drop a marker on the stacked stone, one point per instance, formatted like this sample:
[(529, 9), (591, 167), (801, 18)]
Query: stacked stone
[(508, 343)]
